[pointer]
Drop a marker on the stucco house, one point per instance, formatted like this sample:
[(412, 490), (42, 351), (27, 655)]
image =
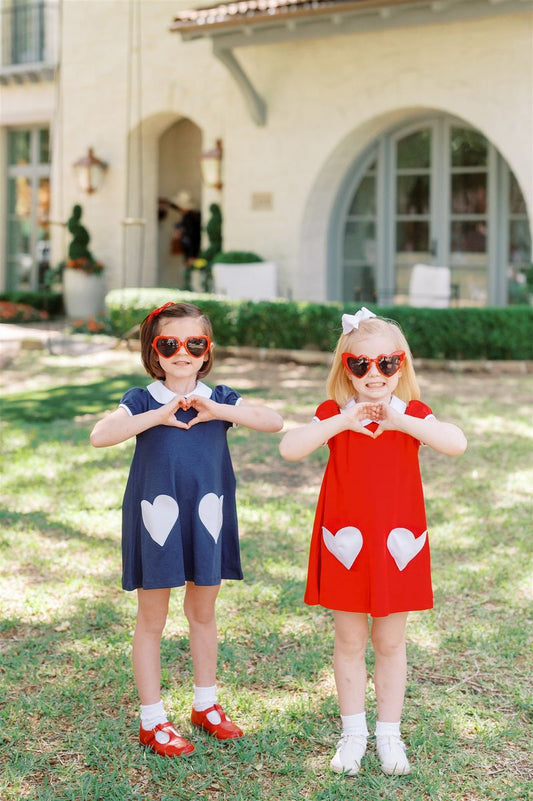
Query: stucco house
[(358, 140)]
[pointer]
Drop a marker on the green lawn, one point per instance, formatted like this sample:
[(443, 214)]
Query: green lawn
[(68, 706)]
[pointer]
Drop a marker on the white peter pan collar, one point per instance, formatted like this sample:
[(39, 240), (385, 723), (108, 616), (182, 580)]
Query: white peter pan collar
[(397, 404), (162, 394)]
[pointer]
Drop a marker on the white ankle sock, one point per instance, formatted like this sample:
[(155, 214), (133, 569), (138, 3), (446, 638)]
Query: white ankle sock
[(354, 724), (204, 697), (152, 715), (387, 729)]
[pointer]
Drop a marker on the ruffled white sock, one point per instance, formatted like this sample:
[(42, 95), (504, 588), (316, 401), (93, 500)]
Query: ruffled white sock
[(384, 729), (152, 715), (355, 724), (204, 697)]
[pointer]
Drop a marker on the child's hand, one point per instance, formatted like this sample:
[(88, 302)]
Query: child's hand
[(360, 412), (168, 413), (386, 416), (205, 407)]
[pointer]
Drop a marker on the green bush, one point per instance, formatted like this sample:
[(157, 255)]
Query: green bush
[(51, 302), (236, 257), (455, 333)]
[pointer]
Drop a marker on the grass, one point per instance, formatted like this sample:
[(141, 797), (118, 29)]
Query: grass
[(68, 706)]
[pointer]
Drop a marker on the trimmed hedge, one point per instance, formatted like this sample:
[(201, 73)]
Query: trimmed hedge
[(454, 333)]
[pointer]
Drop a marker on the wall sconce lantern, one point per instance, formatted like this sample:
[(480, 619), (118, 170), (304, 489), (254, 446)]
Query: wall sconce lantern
[(90, 172), (211, 166)]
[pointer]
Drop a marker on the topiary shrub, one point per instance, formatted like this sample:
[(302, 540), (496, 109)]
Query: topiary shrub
[(213, 230)]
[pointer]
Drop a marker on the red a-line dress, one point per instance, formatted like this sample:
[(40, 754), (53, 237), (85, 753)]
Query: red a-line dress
[(369, 549)]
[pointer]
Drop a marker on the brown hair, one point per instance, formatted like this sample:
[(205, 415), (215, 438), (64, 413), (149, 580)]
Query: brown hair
[(151, 325), (339, 385)]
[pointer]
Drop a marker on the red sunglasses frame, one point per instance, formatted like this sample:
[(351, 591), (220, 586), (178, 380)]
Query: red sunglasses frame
[(181, 343), (346, 356)]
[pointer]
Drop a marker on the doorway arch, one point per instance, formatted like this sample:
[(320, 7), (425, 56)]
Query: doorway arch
[(179, 149)]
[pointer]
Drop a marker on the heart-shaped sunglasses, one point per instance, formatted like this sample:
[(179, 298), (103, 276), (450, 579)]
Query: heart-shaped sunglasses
[(168, 346), (387, 364)]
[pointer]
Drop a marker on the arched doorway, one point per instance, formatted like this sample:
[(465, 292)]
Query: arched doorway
[(178, 174), (434, 191)]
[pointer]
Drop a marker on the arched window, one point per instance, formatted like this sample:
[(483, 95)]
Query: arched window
[(433, 193)]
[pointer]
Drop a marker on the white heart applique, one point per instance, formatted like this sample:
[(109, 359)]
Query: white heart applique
[(210, 513), (344, 545), (404, 546), (159, 517)]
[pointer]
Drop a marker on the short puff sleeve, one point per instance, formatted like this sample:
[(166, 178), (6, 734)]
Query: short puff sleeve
[(135, 400), (224, 394)]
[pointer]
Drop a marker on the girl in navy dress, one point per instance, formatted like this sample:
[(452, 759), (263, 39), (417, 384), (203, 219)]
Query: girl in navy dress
[(369, 550), (179, 521)]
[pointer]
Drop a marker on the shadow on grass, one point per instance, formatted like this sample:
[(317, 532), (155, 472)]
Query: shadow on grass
[(67, 401)]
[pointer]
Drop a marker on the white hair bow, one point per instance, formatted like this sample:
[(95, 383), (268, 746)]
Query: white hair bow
[(350, 322)]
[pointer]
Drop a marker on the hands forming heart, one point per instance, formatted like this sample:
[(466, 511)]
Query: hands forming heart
[(204, 406), (381, 413)]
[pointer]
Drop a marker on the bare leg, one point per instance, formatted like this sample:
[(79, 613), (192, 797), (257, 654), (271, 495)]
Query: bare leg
[(388, 639), (199, 607), (351, 636), (151, 618)]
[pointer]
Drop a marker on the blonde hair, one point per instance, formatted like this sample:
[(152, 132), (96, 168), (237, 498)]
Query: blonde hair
[(339, 385)]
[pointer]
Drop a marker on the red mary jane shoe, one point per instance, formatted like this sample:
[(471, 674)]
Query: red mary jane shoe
[(176, 745), (224, 729)]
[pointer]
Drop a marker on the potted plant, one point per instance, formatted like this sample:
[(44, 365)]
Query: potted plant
[(83, 281), (198, 273), (243, 274)]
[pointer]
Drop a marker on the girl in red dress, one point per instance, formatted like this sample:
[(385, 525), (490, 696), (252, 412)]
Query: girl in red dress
[(369, 550)]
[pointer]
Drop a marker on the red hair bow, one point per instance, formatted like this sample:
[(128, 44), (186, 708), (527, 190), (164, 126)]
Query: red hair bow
[(158, 311)]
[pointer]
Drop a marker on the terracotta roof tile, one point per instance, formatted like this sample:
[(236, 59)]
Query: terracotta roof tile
[(243, 10)]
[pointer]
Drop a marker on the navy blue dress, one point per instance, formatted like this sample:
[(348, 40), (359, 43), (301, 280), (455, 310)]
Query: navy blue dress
[(179, 516)]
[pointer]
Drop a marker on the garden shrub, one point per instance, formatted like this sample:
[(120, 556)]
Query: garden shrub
[(236, 257), (454, 333), (51, 302)]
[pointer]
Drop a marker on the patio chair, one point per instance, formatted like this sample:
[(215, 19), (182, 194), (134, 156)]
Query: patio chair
[(430, 286)]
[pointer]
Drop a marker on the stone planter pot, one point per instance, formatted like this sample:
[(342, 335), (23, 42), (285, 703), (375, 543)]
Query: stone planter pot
[(83, 293), (197, 280), (253, 281)]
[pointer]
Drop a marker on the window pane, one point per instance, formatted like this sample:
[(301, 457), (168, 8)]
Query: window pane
[(359, 241), (516, 199), (469, 193), (27, 32), (469, 282), (520, 269), (19, 197), (18, 238), (469, 237), (364, 201), (412, 236), (412, 194), (519, 242), (414, 150), (358, 283), (359, 256), (468, 148), (19, 147), (44, 146), (43, 202)]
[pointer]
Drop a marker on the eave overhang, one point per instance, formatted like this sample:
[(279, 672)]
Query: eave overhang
[(258, 22)]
